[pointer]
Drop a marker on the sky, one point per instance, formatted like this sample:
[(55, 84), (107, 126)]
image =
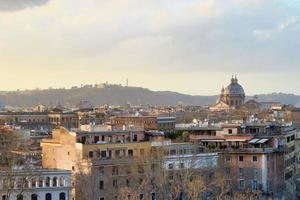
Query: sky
[(188, 46)]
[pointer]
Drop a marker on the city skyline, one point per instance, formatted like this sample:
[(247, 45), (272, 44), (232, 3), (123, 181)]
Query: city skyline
[(191, 47)]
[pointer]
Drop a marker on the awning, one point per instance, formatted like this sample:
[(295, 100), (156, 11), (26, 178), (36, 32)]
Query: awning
[(212, 140), (258, 141), (253, 141), (236, 140), (262, 141)]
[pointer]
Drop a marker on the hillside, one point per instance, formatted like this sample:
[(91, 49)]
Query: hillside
[(118, 95)]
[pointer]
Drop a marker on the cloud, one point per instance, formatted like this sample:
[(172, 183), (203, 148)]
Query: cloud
[(288, 22), (15, 5), (197, 36), (266, 34)]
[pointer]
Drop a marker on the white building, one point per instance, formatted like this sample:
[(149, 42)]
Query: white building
[(188, 156), (40, 184)]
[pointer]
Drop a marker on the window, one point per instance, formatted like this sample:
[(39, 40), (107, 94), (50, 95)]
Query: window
[(227, 158), (241, 158), (135, 138), (115, 183), (255, 159), (55, 182), (241, 172), (101, 198), (103, 154), (91, 154), (229, 131), (48, 182), (101, 185), (62, 196), (153, 196), (96, 139), (34, 197), (33, 182), (48, 196), (25, 183), (181, 151), (4, 197), (115, 170), (127, 182), (173, 152), (241, 184), (62, 181), (19, 197), (40, 182), (181, 165), (19, 182), (254, 185), (292, 137), (141, 196), (140, 181), (130, 152), (170, 166)]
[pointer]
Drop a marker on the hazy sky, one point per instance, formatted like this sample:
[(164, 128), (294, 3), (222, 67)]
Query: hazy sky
[(190, 46)]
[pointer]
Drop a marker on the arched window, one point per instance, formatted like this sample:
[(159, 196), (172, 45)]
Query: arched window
[(25, 183), (62, 196), (41, 182), (19, 197), (34, 197), (62, 181), (4, 197), (48, 196), (54, 184), (33, 182), (48, 182)]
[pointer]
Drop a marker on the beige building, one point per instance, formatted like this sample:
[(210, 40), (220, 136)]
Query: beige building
[(113, 159)]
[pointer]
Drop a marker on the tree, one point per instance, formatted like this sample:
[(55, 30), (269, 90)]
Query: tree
[(188, 183), (13, 153), (85, 181)]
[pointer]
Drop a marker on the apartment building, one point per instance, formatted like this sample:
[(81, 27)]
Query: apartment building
[(115, 159), (264, 164)]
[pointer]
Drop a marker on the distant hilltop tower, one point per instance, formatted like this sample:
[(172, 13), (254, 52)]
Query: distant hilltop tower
[(231, 97)]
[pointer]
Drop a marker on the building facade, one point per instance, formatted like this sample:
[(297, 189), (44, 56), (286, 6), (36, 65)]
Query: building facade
[(40, 184)]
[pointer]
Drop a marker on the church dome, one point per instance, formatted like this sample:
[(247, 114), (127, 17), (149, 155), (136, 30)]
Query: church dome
[(234, 88)]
